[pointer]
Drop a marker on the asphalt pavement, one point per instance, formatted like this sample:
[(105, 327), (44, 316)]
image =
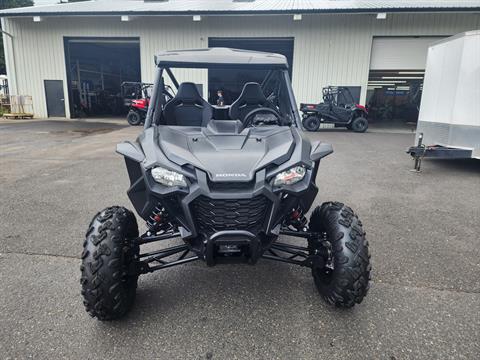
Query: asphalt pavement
[(423, 229)]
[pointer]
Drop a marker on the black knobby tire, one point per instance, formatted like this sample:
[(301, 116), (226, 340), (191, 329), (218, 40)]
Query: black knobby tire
[(311, 123), (359, 124), (109, 277), (348, 283), (134, 118)]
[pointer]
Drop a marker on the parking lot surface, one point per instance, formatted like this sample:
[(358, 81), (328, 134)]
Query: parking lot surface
[(423, 229)]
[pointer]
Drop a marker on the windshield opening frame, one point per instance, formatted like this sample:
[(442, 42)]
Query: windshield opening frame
[(157, 100)]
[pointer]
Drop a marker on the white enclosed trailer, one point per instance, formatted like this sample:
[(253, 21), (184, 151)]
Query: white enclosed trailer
[(449, 119)]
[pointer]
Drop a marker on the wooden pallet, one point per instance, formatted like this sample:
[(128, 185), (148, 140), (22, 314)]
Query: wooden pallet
[(18, 116)]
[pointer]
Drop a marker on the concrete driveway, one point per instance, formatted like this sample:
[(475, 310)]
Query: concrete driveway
[(424, 231)]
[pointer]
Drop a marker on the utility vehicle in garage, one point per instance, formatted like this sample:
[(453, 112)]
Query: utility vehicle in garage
[(338, 108), (136, 96), (449, 120), (228, 186)]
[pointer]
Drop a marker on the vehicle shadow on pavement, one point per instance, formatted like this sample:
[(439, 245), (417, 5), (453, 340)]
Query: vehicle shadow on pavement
[(232, 287), (231, 305)]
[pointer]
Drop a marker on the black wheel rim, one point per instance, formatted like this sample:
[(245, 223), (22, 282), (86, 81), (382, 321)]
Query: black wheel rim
[(324, 275), (311, 124), (133, 118), (359, 124)]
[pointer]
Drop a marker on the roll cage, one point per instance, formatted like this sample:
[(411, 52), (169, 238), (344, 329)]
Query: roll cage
[(338, 96), (276, 83)]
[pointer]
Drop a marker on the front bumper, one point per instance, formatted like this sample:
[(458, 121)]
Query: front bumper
[(206, 207), (222, 220)]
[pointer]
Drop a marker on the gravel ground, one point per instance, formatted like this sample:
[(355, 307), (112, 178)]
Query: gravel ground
[(423, 229)]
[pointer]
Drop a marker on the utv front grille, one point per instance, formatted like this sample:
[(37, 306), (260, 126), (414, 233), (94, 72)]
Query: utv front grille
[(231, 186), (213, 215)]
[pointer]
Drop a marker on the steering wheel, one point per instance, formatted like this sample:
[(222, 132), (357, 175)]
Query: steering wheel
[(248, 120)]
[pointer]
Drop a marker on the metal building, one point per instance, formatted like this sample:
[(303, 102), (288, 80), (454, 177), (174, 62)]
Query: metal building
[(66, 54)]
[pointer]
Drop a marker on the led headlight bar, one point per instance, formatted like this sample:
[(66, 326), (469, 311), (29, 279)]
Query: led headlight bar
[(290, 176), (168, 177)]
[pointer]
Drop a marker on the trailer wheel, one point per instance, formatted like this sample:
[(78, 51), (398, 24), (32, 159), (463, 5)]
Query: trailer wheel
[(109, 264), (359, 124), (348, 282), (311, 123), (134, 118)]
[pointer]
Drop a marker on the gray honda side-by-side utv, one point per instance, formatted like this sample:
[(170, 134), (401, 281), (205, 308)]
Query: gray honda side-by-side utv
[(228, 180)]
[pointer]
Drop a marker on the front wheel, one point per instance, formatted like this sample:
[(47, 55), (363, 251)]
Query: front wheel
[(134, 118), (311, 123), (109, 259), (348, 282), (359, 124)]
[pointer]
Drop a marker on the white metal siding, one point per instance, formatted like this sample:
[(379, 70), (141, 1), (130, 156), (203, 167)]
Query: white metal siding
[(328, 49), (400, 53)]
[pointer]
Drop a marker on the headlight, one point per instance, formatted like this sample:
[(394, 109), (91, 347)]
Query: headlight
[(168, 177), (290, 176)]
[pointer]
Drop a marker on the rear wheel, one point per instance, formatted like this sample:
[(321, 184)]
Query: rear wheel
[(134, 118), (311, 123), (109, 259), (348, 282), (359, 124)]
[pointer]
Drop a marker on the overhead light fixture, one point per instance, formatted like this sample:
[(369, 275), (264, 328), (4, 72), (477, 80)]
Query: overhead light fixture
[(381, 16), (125, 18), (411, 72), (297, 17), (197, 18), (387, 81), (37, 19), (403, 77)]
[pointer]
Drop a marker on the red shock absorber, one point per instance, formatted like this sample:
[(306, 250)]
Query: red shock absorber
[(156, 217), (297, 219)]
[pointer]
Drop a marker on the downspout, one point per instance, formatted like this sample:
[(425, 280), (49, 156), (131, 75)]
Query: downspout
[(9, 60)]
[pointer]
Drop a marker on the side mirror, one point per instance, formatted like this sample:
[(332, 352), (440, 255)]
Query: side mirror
[(320, 150)]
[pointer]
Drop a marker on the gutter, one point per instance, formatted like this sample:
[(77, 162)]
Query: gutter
[(244, 12), (11, 73)]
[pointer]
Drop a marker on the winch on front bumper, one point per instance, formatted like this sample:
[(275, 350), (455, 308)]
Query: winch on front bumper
[(231, 228)]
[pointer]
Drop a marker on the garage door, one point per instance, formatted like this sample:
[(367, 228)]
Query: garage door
[(406, 53), (96, 69), (231, 81), (282, 46)]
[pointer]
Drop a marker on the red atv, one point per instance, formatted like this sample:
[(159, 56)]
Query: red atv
[(136, 97), (138, 111), (338, 108)]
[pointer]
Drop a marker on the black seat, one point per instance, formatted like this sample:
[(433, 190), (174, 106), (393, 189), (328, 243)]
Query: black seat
[(251, 98), (187, 108)]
